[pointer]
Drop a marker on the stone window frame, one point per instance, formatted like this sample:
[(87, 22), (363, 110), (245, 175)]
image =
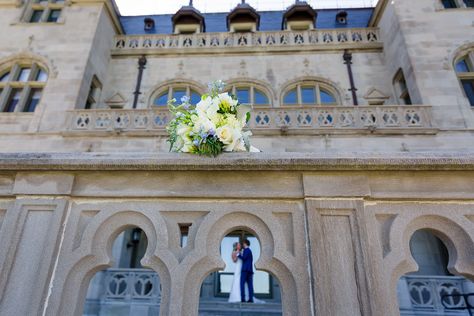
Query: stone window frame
[(94, 94), (468, 58), (318, 85), (27, 87), (47, 7), (400, 87), (460, 4), (169, 88), (252, 86)]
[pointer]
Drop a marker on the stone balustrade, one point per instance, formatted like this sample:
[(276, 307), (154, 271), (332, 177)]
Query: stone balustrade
[(413, 119), (427, 293), (269, 40), (132, 284)]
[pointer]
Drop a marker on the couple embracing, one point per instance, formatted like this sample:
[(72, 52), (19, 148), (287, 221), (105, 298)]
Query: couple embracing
[(242, 284)]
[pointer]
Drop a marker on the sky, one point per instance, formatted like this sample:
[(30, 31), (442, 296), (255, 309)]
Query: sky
[(145, 7)]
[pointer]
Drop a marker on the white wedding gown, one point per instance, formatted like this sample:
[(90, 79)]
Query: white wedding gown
[(234, 296)]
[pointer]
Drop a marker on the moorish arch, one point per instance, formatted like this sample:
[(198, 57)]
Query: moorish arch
[(271, 260), (95, 254), (458, 241)]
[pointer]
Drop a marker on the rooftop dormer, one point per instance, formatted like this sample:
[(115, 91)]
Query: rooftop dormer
[(243, 18), (300, 16), (188, 20)]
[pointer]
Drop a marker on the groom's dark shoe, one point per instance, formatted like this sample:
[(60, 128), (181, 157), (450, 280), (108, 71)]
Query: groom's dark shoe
[(250, 301)]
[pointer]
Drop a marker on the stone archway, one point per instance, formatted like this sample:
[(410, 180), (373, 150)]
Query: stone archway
[(450, 231), (95, 253), (268, 261)]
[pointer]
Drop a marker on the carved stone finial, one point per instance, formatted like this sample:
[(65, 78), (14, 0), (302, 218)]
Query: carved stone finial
[(190, 3)]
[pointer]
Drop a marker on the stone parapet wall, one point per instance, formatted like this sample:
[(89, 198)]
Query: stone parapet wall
[(334, 230)]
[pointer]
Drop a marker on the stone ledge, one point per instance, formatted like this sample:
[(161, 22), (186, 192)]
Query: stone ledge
[(237, 161)]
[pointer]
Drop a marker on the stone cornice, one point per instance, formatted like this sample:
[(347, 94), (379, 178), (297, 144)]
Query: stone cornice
[(236, 162)]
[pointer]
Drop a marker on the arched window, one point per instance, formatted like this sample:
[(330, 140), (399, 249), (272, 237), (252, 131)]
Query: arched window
[(249, 93), (465, 70), (176, 91), (21, 87), (310, 93)]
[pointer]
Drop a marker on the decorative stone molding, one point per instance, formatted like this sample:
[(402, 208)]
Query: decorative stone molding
[(238, 161), (117, 101), (375, 97), (324, 39)]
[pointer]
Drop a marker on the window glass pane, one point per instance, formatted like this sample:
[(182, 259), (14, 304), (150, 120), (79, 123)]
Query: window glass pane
[(195, 97), (448, 4), (54, 15), (13, 100), (36, 16), (178, 94), (5, 77), (327, 98), (162, 100), (308, 95), (243, 95), (469, 89), (24, 74), (462, 66), (290, 97), (33, 100), (260, 97), (406, 99), (469, 3), (42, 76)]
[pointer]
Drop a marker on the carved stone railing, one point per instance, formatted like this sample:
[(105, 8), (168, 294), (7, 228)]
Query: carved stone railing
[(426, 294), (268, 121), (132, 284), (313, 39)]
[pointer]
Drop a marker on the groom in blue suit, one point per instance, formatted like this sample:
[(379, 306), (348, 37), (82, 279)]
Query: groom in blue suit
[(246, 275)]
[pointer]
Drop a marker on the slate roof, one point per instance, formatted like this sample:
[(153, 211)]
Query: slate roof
[(269, 21)]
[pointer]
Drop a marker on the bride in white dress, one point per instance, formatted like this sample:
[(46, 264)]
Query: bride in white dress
[(234, 296)]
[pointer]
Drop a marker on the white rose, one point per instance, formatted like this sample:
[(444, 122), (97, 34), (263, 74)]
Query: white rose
[(225, 134), (231, 137)]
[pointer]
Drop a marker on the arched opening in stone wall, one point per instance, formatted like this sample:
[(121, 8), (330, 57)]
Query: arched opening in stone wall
[(432, 290), (217, 287), (126, 288)]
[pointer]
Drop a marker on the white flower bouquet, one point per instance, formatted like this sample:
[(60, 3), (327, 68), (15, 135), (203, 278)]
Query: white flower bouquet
[(214, 125)]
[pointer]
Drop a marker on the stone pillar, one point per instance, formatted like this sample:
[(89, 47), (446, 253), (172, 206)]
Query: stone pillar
[(31, 240), (403, 295)]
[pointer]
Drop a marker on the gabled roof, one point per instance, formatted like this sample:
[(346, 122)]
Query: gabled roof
[(300, 10), (269, 21), (187, 14), (243, 10)]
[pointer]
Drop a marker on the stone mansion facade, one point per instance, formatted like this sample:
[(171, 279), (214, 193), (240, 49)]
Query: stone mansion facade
[(360, 203)]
